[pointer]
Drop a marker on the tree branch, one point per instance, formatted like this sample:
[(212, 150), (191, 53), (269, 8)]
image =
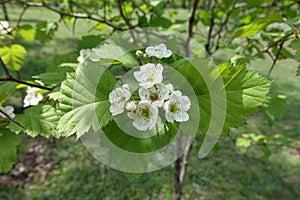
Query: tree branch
[(212, 24), (10, 118), (190, 27), (12, 79), (185, 162), (79, 16), (277, 55)]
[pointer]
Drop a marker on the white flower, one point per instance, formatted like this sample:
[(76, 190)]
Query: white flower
[(84, 54), (278, 26), (118, 98), (4, 27), (145, 116), (149, 75), (176, 107), (131, 106), (33, 96), (8, 110), (157, 94), (159, 51)]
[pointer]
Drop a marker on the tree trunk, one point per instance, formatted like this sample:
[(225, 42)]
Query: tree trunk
[(5, 12)]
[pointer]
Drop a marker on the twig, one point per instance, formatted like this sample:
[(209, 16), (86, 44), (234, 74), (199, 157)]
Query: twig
[(12, 79), (277, 56), (10, 118), (7, 74), (126, 20), (185, 162), (190, 27), (212, 24), (80, 16), (21, 16)]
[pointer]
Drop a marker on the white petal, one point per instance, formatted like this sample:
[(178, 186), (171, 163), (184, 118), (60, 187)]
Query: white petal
[(167, 53), (181, 116), (150, 51), (147, 84), (169, 116), (162, 47)]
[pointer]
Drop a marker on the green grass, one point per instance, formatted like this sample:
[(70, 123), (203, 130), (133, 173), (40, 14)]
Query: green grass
[(227, 173)]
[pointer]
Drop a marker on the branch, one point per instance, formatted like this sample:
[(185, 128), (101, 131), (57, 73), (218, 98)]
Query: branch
[(185, 162), (10, 118), (190, 27), (212, 24), (126, 20), (277, 55), (12, 79), (79, 16)]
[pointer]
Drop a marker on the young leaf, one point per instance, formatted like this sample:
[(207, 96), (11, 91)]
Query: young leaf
[(84, 99), (27, 32), (8, 150), (256, 26), (13, 56), (37, 120)]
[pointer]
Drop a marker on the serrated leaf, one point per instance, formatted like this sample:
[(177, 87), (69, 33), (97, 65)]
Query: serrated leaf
[(37, 120), (27, 32), (245, 91), (13, 56), (84, 99), (257, 25), (8, 149)]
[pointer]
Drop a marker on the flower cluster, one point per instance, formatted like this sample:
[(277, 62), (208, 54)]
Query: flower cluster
[(153, 95)]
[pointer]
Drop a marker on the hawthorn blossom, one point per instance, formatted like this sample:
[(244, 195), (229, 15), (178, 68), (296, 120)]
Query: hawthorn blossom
[(33, 96), (159, 51), (9, 110), (156, 94), (145, 116), (149, 75), (84, 54), (118, 98), (176, 107)]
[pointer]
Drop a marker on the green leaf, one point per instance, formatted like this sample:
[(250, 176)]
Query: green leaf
[(46, 30), (158, 7), (8, 149), (6, 89), (27, 32), (37, 120), (256, 26), (100, 26), (160, 22), (84, 99), (275, 108), (89, 41), (245, 91), (13, 56)]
